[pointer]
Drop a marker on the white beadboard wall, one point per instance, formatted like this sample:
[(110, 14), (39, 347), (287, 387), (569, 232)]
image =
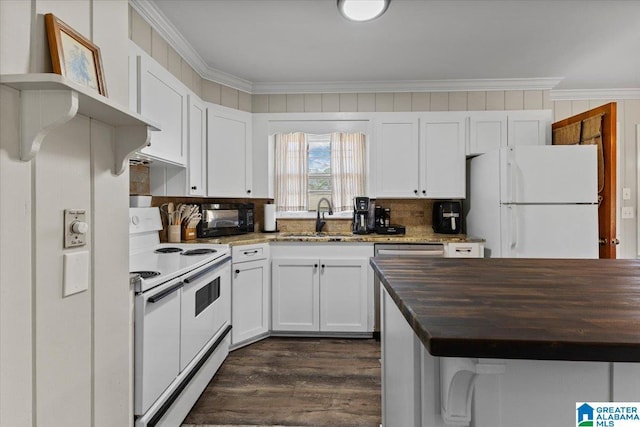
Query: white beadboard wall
[(64, 361)]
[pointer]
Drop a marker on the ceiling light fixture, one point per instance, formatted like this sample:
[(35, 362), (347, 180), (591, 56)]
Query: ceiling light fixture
[(362, 10)]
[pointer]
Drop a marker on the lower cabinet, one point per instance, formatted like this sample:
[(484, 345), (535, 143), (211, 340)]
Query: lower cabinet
[(250, 293), (313, 291)]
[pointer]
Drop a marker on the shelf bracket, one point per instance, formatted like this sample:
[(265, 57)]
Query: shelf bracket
[(128, 140), (457, 378), (41, 112)]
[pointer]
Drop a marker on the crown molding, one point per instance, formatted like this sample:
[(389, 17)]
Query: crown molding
[(581, 94), (159, 22), (468, 85)]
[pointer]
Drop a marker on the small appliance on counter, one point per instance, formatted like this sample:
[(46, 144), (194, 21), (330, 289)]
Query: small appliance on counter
[(225, 219), (360, 224), (447, 217), (383, 222)]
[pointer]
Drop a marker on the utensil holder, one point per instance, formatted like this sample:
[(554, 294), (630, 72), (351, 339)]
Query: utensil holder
[(188, 234), (173, 236)]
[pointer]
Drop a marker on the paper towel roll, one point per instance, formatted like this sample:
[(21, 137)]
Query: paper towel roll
[(270, 217)]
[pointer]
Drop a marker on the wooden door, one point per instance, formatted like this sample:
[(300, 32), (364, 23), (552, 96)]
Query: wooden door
[(607, 166)]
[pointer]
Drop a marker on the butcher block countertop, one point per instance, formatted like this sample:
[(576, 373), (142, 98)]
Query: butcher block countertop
[(547, 309)]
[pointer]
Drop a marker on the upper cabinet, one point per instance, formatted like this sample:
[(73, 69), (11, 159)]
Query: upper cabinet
[(161, 97), (229, 160), (396, 170), (420, 155), (489, 130), (529, 127), (197, 168)]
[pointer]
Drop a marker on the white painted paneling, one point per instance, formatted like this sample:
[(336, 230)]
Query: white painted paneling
[(15, 269), (110, 34), (14, 36), (112, 298), (62, 325)]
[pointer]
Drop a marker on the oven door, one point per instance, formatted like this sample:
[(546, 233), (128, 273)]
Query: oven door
[(157, 342), (206, 307)]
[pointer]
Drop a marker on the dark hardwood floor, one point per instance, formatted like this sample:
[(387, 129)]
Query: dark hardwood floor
[(295, 382)]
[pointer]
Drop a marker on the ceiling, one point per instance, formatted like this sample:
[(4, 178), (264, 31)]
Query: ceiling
[(306, 44)]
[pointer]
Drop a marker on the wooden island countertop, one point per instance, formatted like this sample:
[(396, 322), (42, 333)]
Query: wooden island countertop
[(544, 309)]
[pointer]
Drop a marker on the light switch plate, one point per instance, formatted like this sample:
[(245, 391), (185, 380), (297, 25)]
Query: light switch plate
[(76, 273), (627, 212), (626, 193)]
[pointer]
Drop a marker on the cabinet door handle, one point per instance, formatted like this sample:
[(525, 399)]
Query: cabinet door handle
[(315, 265), (424, 192), (250, 253), (322, 266), (194, 187), (237, 271), (415, 192), (248, 191)]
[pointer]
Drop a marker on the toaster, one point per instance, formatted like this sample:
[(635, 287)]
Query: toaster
[(447, 217)]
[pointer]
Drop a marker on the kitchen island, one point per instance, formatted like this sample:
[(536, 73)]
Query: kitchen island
[(504, 342)]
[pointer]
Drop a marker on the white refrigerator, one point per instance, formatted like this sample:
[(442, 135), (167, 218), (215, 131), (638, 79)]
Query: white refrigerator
[(535, 201)]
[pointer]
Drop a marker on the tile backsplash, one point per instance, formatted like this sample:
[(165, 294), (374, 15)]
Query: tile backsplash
[(413, 214)]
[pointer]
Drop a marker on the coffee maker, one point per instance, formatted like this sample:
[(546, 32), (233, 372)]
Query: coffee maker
[(360, 223)]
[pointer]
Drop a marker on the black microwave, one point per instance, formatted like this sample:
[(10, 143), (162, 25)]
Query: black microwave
[(224, 219)]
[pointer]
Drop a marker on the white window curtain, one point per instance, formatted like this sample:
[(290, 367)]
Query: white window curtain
[(347, 169), (291, 180)]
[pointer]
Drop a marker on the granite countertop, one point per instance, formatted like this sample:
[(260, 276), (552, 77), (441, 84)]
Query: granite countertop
[(421, 236), (547, 309)]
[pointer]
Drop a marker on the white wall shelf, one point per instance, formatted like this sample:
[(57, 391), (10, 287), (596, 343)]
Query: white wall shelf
[(50, 100)]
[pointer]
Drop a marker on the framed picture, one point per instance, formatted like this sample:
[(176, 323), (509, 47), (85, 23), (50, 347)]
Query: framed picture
[(74, 56)]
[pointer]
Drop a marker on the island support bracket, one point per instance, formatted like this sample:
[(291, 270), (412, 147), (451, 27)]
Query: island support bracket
[(457, 379)]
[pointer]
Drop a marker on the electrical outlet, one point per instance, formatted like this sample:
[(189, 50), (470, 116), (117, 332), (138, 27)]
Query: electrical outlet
[(626, 193), (627, 212)]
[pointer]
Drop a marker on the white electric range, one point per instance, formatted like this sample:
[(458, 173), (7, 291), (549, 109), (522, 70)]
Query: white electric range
[(182, 319)]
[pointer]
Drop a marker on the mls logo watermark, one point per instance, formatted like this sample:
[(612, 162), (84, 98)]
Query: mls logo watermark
[(608, 414)]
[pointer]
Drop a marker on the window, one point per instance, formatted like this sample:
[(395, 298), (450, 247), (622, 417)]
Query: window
[(319, 167), (310, 167)]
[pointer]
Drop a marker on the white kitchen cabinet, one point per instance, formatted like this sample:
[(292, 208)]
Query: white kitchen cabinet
[(163, 99), (321, 287), (396, 154), (400, 357), (229, 162), (490, 130), (529, 127), (250, 293), (442, 142), (295, 290), (197, 169), (420, 155), (487, 131)]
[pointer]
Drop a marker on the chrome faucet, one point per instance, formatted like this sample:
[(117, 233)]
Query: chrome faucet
[(320, 223)]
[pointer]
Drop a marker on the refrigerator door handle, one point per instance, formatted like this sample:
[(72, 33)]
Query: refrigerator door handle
[(514, 227)]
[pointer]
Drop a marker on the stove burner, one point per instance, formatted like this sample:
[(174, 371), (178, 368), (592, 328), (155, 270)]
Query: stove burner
[(167, 250), (200, 251), (146, 274)]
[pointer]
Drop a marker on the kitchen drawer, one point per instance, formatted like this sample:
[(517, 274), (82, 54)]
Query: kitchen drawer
[(246, 253), (464, 250)]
